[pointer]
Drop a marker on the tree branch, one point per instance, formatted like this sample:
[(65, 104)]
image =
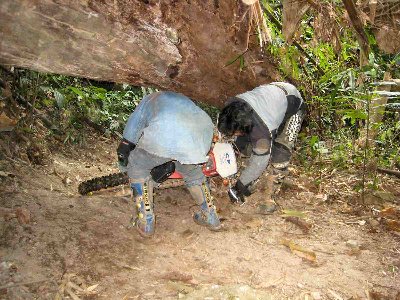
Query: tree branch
[(358, 26), (296, 44), (390, 172)]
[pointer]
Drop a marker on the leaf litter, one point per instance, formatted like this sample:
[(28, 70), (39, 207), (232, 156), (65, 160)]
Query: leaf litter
[(298, 250)]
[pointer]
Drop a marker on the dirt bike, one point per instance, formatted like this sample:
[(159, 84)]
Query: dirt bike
[(221, 162)]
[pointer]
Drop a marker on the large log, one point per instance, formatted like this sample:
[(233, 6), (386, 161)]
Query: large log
[(170, 44)]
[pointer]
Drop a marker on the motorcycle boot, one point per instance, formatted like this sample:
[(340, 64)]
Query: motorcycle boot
[(143, 198), (207, 216), (284, 142)]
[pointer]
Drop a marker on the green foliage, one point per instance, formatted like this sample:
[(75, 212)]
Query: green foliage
[(339, 97), (337, 90), (75, 103), (240, 59)]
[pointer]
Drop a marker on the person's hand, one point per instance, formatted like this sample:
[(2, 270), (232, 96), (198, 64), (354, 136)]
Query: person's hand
[(238, 192), (235, 196)]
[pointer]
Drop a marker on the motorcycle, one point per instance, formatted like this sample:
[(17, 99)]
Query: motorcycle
[(221, 162)]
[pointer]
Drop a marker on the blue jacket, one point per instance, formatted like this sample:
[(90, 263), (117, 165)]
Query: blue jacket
[(170, 125)]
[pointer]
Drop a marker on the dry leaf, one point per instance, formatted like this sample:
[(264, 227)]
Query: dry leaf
[(72, 294), (23, 215), (92, 288), (390, 211), (300, 251), (249, 2), (388, 39), (304, 226), (129, 267), (375, 295), (6, 124), (74, 286), (393, 225), (335, 295), (7, 213), (176, 276), (187, 234), (293, 213)]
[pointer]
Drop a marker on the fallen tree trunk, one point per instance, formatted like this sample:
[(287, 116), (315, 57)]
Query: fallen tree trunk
[(176, 45), (390, 172)]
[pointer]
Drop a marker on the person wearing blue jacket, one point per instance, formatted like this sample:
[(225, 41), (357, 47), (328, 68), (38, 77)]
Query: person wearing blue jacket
[(266, 122), (167, 129)]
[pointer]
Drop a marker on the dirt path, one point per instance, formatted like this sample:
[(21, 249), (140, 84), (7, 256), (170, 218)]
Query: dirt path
[(53, 240)]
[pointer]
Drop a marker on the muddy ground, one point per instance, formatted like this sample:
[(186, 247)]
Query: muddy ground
[(57, 244)]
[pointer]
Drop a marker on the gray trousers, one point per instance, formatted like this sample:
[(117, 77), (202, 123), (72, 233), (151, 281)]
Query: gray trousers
[(255, 167), (281, 150), (141, 162)]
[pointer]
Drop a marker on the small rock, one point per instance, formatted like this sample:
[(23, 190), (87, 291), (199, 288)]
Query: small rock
[(321, 197), (187, 233), (353, 244), (66, 181), (5, 265), (373, 223), (172, 35), (316, 295), (247, 257), (6, 174)]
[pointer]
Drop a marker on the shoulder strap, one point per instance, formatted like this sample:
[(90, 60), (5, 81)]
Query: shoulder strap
[(281, 87)]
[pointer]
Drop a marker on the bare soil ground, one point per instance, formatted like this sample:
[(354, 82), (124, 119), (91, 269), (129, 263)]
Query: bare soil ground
[(57, 244)]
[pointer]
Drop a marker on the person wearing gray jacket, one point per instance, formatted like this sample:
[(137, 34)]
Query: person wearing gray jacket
[(266, 122)]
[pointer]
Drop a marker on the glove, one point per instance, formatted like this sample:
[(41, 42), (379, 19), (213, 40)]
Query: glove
[(238, 192), (125, 147), (235, 196)]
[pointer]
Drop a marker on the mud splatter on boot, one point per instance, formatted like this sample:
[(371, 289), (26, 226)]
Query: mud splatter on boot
[(207, 216), (143, 198)]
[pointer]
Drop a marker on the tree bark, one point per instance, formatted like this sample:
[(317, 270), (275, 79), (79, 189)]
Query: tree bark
[(359, 28), (293, 12), (177, 45)]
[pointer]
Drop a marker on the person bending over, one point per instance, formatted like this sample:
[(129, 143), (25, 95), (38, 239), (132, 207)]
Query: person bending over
[(266, 122), (167, 131)]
